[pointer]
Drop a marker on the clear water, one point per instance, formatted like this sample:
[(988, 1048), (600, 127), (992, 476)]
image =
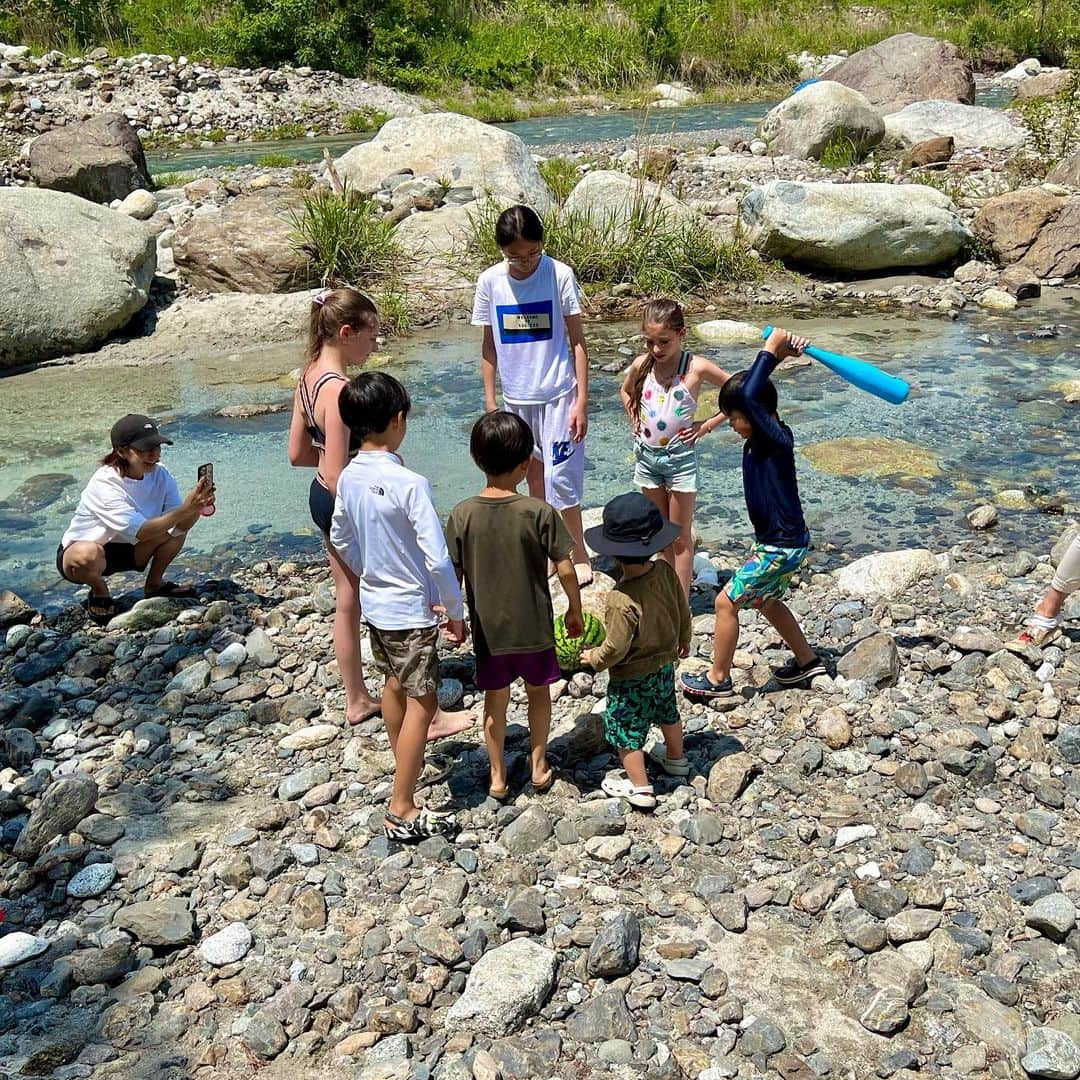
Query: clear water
[(981, 400), (536, 132)]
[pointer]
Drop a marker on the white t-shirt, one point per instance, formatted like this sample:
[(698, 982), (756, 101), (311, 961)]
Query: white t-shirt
[(527, 320), (386, 529), (113, 508)]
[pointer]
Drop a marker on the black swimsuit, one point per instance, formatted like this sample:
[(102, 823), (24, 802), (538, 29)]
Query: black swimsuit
[(320, 498)]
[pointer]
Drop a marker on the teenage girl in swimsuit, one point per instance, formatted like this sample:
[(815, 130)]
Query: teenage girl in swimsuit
[(342, 329), (659, 395)]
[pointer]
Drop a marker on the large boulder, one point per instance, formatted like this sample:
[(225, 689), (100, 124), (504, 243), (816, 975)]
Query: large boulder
[(854, 227), (437, 233), (1033, 228), (1067, 172), (100, 159), (607, 196), (818, 116), (906, 68), (71, 272), (248, 246), (887, 574), (464, 151), (1046, 85), (971, 126)]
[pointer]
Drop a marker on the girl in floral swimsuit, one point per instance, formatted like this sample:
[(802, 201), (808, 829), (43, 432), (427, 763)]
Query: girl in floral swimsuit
[(659, 395)]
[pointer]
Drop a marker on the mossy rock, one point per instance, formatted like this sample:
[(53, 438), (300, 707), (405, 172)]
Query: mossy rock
[(872, 457)]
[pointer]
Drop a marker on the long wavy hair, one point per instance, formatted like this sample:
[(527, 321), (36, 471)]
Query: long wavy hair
[(669, 315)]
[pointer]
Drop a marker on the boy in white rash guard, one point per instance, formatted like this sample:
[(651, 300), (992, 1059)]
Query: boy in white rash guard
[(530, 309), (387, 531)]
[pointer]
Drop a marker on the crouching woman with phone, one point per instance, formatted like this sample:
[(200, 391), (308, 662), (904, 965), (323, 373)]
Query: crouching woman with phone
[(130, 517)]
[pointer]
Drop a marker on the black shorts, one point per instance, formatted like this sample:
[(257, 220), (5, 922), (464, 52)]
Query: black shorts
[(321, 505), (119, 558)]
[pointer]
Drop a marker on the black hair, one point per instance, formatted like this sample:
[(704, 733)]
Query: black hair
[(370, 401), (731, 394), (518, 223), (500, 442)]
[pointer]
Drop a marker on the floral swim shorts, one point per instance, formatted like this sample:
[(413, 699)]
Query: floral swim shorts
[(635, 705), (766, 575)]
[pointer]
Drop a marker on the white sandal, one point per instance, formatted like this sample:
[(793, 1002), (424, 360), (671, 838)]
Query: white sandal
[(679, 766), (620, 786)]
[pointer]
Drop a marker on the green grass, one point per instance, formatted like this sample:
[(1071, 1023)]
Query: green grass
[(170, 180), (840, 153), (491, 53), (646, 248), (361, 120), (561, 176), (276, 161)]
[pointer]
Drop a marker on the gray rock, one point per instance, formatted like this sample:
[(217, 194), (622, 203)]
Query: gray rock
[(246, 247), (970, 126), (886, 1013), (158, 923), (100, 829), (65, 803), (1053, 916), (227, 946), (602, 1017), (914, 924), (912, 780), (298, 784), (906, 68), (192, 679), (100, 159), (762, 1037), (1051, 1053), (885, 575), (147, 614), (261, 649), (264, 1035), (728, 777), (109, 965), (605, 195), (505, 987), (1067, 743), (18, 947), (820, 116), (465, 151), (862, 930), (71, 273), (91, 881), (874, 660), (614, 950), (529, 831)]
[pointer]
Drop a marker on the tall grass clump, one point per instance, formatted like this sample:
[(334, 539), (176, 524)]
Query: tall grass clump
[(349, 242), (561, 177), (644, 246)]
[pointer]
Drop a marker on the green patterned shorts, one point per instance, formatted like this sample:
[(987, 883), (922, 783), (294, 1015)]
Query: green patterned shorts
[(635, 705)]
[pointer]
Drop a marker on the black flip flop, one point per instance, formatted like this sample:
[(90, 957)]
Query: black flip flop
[(171, 588), (100, 609)]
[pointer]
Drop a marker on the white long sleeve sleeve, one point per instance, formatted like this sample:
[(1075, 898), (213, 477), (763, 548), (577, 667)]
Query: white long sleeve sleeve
[(432, 542)]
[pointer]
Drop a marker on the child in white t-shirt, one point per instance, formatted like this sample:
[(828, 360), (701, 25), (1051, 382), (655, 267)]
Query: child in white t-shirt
[(530, 309)]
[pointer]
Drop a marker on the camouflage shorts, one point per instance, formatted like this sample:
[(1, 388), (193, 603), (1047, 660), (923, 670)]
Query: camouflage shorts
[(635, 705)]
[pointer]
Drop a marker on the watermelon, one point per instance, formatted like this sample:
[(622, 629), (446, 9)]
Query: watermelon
[(568, 649)]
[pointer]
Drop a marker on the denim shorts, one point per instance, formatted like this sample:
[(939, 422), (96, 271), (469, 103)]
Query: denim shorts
[(674, 467)]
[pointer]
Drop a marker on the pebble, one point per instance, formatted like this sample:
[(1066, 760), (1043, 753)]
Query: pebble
[(91, 881), (228, 945)]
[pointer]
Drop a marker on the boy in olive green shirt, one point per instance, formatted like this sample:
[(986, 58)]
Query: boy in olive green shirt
[(647, 627), (500, 543)]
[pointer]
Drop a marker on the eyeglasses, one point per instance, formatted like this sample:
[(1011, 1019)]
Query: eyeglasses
[(524, 260)]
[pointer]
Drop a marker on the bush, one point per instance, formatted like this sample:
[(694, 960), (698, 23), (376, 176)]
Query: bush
[(561, 177), (362, 120), (347, 239)]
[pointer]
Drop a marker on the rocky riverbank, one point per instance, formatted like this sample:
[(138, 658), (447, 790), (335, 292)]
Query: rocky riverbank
[(877, 875)]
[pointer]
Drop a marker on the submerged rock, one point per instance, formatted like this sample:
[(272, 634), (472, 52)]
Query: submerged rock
[(873, 456)]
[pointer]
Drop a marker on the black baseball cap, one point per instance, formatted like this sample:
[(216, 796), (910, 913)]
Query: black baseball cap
[(633, 526), (138, 432)]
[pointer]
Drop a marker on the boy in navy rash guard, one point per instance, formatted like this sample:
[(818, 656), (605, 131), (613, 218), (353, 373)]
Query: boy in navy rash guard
[(781, 539)]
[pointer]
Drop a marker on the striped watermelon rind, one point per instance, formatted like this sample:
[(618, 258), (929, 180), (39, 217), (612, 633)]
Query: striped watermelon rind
[(568, 649)]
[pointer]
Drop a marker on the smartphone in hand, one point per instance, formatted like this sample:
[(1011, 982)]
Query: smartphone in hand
[(207, 472)]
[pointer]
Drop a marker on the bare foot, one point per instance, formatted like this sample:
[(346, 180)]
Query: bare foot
[(584, 573), (365, 710), (449, 723)]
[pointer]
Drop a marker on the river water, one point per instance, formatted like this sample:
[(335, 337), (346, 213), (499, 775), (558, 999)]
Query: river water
[(982, 403), (538, 132)]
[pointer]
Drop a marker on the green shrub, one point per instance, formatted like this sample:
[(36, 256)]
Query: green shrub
[(347, 239), (840, 153), (170, 180), (276, 161), (561, 177), (361, 120)]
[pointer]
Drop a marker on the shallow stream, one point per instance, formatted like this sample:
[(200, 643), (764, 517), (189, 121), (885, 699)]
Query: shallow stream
[(983, 408)]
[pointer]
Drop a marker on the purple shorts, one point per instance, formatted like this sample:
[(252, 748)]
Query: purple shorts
[(536, 668)]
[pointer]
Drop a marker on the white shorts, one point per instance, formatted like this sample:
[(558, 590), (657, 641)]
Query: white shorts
[(562, 458)]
